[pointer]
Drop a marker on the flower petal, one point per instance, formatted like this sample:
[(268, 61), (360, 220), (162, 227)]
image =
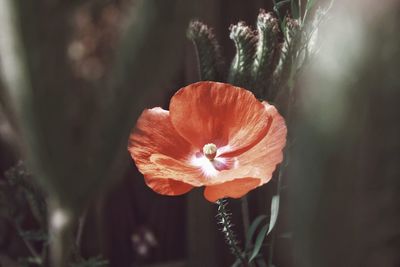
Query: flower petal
[(169, 187), (219, 113), (261, 160), (159, 151), (163, 166), (234, 189)]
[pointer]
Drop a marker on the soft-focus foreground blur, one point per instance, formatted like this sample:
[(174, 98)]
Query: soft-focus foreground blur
[(345, 170), (75, 76)]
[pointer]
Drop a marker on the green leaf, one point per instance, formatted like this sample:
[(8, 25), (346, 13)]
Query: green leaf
[(253, 228), (259, 241), (274, 212), (267, 228)]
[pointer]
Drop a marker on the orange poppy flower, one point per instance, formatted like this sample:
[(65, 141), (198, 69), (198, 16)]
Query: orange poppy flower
[(214, 135)]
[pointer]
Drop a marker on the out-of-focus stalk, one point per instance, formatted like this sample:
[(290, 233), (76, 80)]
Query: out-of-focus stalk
[(345, 198), (73, 142)]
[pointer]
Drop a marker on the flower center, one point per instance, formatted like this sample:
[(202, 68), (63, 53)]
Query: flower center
[(210, 151)]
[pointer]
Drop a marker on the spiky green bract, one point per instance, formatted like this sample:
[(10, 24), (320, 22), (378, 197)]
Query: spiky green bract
[(224, 220), (289, 57), (267, 52), (245, 42), (207, 50)]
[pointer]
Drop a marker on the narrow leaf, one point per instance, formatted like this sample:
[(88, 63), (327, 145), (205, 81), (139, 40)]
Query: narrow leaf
[(252, 229), (267, 228), (274, 212), (259, 241)]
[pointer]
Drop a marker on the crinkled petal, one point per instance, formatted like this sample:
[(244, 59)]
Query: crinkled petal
[(159, 151), (163, 166), (219, 113), (169, 187), (261, 160), (234, 189)]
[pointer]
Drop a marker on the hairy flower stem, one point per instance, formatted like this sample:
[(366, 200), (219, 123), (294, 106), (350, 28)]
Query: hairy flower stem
[(224, 219)]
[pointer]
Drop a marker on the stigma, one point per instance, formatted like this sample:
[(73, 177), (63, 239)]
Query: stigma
[(210, 151)]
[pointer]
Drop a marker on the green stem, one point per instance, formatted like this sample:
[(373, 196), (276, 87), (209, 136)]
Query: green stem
[(224, 219)]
